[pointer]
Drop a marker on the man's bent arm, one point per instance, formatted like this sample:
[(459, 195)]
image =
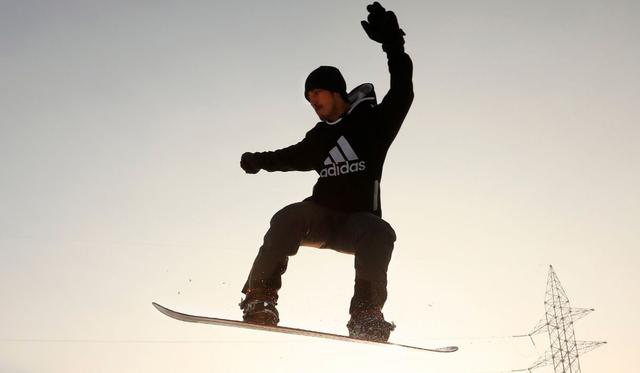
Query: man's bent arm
[(296, 157), (396, 103), (382, 26)]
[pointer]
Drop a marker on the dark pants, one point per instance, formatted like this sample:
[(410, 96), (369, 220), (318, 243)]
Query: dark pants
[(364, 235)]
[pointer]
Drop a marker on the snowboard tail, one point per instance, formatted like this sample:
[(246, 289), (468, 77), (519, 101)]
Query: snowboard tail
[(286, 330)]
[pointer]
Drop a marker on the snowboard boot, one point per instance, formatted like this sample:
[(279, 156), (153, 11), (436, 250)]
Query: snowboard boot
[(259, 307), (370, 325)]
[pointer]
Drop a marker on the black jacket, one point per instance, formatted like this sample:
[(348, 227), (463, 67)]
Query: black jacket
[(349, 154)]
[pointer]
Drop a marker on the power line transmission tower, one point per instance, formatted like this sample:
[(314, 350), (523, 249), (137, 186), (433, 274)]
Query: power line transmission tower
[(559, 319), (564, 349)]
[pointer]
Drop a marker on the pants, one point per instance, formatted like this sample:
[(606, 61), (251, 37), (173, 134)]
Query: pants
[(364, 235)]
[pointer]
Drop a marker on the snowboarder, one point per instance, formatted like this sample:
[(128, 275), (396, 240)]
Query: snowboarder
[(347, 148)]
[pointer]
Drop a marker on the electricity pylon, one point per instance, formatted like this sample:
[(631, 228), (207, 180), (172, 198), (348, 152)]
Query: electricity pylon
[(558, 321)]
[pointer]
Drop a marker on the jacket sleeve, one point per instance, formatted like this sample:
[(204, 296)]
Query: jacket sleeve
[(297, 157), (396, 103)]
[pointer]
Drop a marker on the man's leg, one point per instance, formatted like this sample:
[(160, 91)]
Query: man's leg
[(297, 223), (371, 240)]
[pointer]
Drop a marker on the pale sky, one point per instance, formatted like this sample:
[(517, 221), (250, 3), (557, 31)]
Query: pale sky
[(121, 128)]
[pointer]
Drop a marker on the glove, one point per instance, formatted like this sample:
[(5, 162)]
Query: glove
[(382, 27), (249, 163)]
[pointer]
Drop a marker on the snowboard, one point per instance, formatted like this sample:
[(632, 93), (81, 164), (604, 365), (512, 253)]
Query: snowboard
[(287, 330)]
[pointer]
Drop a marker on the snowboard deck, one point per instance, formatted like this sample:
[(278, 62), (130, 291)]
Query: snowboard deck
[(286, 330)]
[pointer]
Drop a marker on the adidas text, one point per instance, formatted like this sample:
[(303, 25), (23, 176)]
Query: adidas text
[(344, 168)]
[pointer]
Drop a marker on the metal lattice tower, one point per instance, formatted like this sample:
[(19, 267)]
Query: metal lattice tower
[(564, 349), (558, 322)]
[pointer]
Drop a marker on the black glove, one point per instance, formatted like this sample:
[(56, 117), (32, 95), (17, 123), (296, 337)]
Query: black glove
[(249, 163), (382, 26)]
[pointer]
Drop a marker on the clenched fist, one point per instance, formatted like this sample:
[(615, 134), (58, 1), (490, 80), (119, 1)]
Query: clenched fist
[(249, 163)]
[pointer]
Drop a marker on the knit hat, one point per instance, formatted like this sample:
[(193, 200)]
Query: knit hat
[(326, 77)]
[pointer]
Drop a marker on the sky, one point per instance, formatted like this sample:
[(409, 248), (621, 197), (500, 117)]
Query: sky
[(121, 129)]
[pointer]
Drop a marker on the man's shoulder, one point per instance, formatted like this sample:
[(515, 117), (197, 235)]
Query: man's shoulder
[(316, 129)]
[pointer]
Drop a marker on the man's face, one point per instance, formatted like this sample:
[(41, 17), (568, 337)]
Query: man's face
[(324, 103)]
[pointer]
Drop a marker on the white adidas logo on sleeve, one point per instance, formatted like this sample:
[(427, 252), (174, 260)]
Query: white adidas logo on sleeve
[(342, 160)]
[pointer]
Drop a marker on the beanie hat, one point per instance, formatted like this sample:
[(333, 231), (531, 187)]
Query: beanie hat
[(326, 77)]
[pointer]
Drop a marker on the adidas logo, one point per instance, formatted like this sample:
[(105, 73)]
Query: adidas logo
[(342, 160)]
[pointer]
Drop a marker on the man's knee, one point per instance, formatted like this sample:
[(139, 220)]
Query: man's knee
[(289, 226), (290, 217), (373, 228), (386, 232)]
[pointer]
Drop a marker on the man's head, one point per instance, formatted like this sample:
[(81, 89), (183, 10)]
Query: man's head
[(326, 91)]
